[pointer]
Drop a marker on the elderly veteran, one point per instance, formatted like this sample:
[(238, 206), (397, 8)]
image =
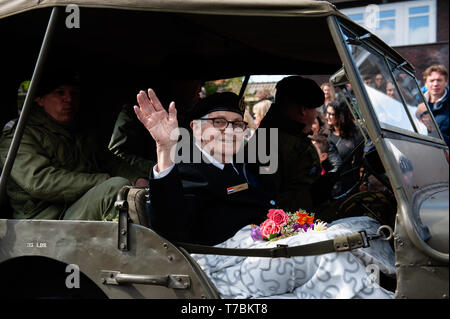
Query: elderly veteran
[(60, 172), (207, 201)]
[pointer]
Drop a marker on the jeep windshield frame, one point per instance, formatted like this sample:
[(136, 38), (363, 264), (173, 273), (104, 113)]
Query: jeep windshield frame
[(404, 121), (401, 150)]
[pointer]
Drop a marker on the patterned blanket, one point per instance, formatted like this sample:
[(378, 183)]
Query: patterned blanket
[(342, 275)]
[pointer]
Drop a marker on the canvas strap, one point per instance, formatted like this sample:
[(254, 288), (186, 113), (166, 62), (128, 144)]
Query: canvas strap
[(338, 244)]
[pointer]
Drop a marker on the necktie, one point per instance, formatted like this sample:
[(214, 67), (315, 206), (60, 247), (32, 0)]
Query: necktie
[(229, 170)]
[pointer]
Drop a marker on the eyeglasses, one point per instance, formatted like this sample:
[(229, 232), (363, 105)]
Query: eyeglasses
[(423, 114), (221, 124)]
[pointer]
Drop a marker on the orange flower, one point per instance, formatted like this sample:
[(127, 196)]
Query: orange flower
[(310, 219), (304, 218), (301, 215)]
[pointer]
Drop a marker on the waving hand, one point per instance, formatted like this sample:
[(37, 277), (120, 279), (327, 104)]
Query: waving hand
[(161, 125)]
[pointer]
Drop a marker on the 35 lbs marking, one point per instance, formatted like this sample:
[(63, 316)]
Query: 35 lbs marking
[(37, 245)]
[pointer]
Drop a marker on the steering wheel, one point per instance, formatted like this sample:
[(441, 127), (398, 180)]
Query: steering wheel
[(365, 156)]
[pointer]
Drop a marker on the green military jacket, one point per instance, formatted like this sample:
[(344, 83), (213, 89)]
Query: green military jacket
[(55, 165), (131, 141), (298, 164)]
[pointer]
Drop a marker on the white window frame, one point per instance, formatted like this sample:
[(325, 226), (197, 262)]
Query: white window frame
[(402, 19)]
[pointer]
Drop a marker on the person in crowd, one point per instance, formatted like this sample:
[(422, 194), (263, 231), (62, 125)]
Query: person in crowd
[(260, 110), (130, 140), (329, 94), (322, 189), (264, 94), (251, 127), (320, 128), (368, 80), (321, 144), (391, 91), (293, 115), (59, 171), (342, 130), (380, 82), (436, 80), (424, 116), (203, 202), (344, 136), (320, 125)]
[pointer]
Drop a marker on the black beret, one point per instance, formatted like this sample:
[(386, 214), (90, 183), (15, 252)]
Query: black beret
[(302, 91), (224, 101)]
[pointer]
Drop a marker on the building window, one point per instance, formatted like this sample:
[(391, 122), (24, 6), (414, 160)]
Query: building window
[(400, 23)]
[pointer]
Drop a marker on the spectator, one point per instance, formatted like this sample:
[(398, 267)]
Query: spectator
[(391, 91), (59, 171), (329, 94), (322, 188), (260, 110), (349, 89), (320, 125), (424, 116), (332, 160), (344, 136), (436, 80), (321, 144), (380, 82), (264, 94), (251, 127), (368, 80)]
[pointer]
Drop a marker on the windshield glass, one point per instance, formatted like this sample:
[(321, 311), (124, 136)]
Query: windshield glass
[(383, 94), (416, 105), (390, 88)]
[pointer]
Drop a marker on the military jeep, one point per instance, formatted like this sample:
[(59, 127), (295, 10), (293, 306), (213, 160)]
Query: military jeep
[(118, 45)]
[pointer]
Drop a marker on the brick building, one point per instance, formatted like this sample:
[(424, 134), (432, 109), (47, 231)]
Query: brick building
[(418, 30)]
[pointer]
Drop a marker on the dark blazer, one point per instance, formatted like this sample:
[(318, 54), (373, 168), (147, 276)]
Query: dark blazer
[(191, 204)]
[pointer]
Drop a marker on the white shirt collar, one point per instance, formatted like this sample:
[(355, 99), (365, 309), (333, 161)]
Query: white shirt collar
[(213, 161), (427, 96)]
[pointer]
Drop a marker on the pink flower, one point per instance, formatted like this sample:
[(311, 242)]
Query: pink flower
[(278, 216), (269, 227)]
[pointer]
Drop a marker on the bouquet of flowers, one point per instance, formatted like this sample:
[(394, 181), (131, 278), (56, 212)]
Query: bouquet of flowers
[(280, 225)]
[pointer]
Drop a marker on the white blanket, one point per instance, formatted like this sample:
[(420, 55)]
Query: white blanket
[(343, 275)]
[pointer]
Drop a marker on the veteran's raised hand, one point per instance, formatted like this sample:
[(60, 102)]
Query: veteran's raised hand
[(162, 125)]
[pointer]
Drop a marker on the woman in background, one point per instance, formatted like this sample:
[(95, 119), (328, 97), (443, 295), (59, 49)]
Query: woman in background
[(329, 93), (260, 110), (343, 136)]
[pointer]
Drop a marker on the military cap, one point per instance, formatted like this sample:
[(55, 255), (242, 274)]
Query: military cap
[(224, 101), (300, 90)]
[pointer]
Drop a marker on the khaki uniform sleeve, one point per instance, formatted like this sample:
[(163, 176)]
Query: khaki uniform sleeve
[(35, 174)]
